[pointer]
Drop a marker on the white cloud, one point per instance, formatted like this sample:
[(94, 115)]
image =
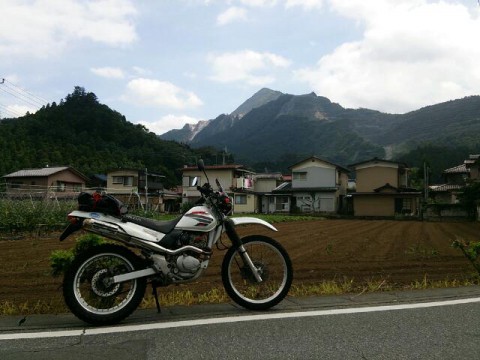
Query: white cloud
[(46, 27), (258, 3), (168, 122), (413, 53), (253, 68), (151, 92), (230, 15), (141, 71), (109, 72), (305, 4)]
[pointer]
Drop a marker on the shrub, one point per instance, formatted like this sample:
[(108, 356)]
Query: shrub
[(60, 260), (470, 250)]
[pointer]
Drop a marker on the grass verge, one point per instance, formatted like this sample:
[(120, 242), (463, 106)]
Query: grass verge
[(218, 295)]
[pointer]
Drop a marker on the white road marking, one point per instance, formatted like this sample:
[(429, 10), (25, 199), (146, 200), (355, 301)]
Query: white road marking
[(229, 319)]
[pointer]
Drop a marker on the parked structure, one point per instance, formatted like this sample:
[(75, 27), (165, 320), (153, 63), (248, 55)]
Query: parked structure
[(317, 186), (382, 189), (63, 181), (236, 180)]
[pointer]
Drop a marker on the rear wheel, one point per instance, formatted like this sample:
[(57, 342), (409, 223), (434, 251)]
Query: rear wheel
[(273, 266), (88, 287)]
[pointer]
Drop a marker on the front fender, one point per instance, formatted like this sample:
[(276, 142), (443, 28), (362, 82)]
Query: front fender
[(251, 220)]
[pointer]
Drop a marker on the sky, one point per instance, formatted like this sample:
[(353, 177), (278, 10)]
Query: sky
[(165, 63)]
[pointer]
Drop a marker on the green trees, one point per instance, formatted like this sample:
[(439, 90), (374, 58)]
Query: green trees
[(89, 136)]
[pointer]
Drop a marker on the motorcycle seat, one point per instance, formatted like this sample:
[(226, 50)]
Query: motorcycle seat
[(161, 226)]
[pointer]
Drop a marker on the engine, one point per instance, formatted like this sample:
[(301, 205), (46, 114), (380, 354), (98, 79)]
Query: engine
[(199, 240), (187, 263), (176, 267)]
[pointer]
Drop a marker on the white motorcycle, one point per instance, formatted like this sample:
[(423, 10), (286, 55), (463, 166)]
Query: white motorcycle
[(106, 283)]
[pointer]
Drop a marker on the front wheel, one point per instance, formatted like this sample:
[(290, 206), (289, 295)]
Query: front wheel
[(89, 290), (273, 266)]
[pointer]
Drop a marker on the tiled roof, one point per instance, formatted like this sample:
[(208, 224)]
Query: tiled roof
[(460, 169), (37, 172), (445, 187)]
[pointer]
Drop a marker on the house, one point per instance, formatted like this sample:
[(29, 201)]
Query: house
[(236, 180), (382, 189), (456, 178), (473, 166), (137, 188), (317, 186), (267, 201), (60, 180)]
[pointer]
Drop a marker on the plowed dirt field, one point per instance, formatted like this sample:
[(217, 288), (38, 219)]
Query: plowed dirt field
[(401, 252)]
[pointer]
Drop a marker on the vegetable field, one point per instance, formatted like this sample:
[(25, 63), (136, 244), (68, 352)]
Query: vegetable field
[(392, 254)]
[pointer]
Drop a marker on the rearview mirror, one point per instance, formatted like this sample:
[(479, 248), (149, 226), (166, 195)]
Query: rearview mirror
[(195, 181)]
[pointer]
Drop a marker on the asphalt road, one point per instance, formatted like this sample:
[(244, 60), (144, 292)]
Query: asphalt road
[(432, 324)]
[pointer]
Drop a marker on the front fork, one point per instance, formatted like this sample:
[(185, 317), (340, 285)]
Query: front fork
[(237, 242)]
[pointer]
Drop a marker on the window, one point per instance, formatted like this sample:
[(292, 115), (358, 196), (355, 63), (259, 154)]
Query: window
[(16, 184), (282, 203), (117, 180), (240, 199), (128, 180), (61, 186), (123, 180), (299, 176)]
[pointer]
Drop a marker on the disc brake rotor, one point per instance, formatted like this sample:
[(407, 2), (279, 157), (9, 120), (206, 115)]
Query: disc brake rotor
[(102, 284)]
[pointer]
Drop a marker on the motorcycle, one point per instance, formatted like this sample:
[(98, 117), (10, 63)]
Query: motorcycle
[(106, 283)]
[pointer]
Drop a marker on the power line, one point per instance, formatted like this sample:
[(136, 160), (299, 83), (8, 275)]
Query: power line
[(21, 95), (18, 89), (6, 109)]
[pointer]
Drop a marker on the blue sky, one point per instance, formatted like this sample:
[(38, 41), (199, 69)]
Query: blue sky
[(165, 63)]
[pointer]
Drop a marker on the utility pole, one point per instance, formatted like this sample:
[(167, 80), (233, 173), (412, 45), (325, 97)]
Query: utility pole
[(425, 180), (146, 189)]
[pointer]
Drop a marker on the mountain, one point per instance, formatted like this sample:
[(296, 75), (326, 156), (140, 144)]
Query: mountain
[(185, 134), (82, 133), (271, 126), (209, 128), (258, 99)]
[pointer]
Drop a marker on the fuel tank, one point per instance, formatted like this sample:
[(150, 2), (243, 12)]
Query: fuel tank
[(198, 218)]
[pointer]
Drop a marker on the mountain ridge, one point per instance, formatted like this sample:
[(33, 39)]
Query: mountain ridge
[(309, 124)]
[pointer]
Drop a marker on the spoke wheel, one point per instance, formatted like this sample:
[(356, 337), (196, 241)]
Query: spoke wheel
[(273, 266), (90, 292)]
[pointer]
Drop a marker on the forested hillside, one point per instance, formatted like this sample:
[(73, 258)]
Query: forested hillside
[(91, 137)]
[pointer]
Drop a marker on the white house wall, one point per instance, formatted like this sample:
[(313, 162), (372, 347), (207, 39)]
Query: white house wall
[(316, 177)]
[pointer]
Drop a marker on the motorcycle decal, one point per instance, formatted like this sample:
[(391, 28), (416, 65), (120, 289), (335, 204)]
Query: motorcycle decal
[(202, 220)]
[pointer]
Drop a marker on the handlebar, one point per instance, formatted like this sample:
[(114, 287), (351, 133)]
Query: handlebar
[(205, 189)]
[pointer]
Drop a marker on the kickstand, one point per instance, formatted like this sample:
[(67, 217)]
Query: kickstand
[(155, 295)]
